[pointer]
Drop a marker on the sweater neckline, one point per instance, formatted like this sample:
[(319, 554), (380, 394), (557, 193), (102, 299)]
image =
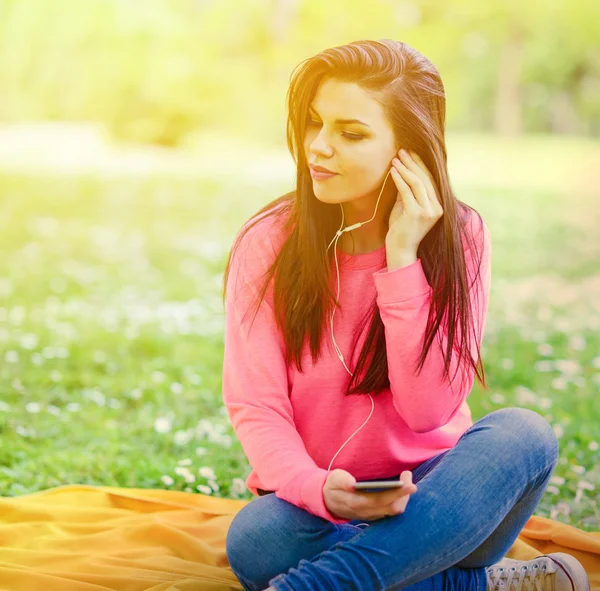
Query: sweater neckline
[(365, 260)]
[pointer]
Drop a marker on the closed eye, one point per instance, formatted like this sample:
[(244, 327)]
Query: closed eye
[(350, 136)]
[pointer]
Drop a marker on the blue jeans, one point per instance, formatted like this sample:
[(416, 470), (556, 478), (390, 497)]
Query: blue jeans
[(472, 502)]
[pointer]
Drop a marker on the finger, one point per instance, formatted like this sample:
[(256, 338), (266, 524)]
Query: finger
[(409, 488), (421, 164), (376, 505), (416, 165), (415, 182), (427, 179), (397, 506), (408, 199), (400, 503)]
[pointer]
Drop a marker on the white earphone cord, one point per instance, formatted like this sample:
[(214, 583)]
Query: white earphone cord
[(340, 355)]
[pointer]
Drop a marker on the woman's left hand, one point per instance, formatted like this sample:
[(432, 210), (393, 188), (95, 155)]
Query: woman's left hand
[(417, 206)]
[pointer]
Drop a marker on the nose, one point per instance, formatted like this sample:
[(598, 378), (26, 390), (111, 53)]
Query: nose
[(320, 145)]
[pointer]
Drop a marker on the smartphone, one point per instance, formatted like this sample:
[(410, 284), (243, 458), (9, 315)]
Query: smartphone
[(377, 485)]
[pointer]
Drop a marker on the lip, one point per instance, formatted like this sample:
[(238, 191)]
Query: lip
[(318, 168), (318, 175)]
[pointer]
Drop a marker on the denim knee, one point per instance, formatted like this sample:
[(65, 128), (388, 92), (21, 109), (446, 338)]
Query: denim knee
[(260, 542), (242, 537), (531, 429)]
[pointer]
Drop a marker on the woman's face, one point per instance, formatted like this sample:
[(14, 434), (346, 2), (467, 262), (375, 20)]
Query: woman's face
[(360, 154)]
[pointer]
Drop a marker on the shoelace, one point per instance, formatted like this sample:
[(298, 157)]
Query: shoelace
[(535, 578)]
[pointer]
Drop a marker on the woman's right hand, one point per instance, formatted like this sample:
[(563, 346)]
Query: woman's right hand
[(343, 501)]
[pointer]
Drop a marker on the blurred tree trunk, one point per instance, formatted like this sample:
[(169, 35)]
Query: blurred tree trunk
[(508, 118)]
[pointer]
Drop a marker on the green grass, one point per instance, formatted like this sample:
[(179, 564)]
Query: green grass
[(111, 327)]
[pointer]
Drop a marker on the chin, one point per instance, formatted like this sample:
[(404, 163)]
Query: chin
[(330, 196)]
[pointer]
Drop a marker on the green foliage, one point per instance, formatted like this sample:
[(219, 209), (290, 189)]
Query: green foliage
[(160, 73)]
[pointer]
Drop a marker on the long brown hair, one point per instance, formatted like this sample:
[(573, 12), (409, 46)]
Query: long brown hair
[(411, 93)]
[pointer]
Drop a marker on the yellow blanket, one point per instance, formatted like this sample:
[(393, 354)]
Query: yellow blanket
[(92, 538)]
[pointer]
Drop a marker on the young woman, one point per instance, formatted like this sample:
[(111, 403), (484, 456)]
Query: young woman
[(379, 391)]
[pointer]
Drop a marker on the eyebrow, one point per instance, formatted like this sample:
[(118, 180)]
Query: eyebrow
[(341, 121)]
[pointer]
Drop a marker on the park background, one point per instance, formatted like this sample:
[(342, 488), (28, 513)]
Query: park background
[(137, 137)]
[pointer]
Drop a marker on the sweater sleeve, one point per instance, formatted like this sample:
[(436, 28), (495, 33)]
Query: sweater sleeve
[(404, 296), (255, 387)]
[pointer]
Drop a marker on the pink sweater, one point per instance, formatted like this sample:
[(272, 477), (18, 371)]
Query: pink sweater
[(291, 424)]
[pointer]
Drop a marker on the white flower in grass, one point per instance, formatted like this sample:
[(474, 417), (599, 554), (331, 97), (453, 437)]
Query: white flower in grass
[(560, 508), (17, 384), (167, 480), (17, 315), (238, 486), (559, 383), (221, 439), (55, 375), (201, 451), (525, 396), (48, 352), (593, 446), (596, 362), (552, 490), (176, 388), (577, 342), (29, 341), (73, 406), (559, 480), (585, 485), (162, 425), (558, 430), (204, 489), (184, 462), (578, 469), (581, 486), (33, 407), (545, 365), (37, 358), (4, 407), (62, 352), (188, 489), (213, 484), (545, 349), (157, 377), (136, 393), (568, 366), (11, 356), (182, 437), (207, 473)]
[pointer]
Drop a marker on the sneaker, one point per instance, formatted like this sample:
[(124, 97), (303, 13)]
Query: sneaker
[(551, 572)]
